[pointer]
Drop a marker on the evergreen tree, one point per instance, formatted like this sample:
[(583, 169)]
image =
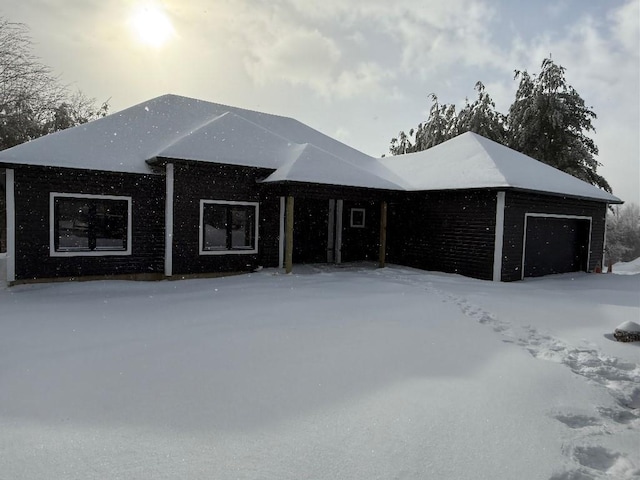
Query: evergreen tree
[(549, 120), (439, 127), (444, 123), (481, 117)]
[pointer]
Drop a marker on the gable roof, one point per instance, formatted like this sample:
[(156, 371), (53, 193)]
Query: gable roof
[(471, 161), (176, 127)]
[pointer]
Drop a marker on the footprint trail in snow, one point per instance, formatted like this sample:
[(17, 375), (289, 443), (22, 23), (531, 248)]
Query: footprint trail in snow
[(620, 379)]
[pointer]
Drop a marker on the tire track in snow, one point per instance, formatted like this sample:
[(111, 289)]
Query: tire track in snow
[(620, 379)]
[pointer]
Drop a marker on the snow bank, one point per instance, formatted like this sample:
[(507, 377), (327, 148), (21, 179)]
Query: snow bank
[(324, 374), (627, 268)]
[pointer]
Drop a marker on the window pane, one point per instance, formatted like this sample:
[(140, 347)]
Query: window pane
[(72, 223), (88, 224), (214, 227), (242, 226), (110, 225), (357, 217)]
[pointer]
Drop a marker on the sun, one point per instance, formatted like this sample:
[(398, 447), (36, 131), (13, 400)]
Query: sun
[(151, 25)]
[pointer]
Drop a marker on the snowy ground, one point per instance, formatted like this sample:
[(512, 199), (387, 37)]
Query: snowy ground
[(349, 373)]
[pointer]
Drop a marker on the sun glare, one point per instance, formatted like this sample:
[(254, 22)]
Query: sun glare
[(152, 26)]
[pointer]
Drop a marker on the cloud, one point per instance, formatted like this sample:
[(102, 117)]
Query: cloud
[(625, 21), (358, 48), (296, 56)]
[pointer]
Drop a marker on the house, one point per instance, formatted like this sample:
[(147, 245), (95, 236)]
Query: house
[(175, 187)]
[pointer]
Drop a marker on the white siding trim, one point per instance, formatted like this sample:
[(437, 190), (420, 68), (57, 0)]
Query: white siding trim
[(604, 238), (94, 253), (552, 215), (247, 251), (168, 221), (11, 224), (338, 245), (281, 233), (499, 237)]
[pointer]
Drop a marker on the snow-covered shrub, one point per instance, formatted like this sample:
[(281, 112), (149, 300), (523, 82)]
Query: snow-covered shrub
[(623, 233)]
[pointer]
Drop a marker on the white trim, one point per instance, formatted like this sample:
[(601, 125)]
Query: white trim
[(351, 222), (498, 242), (553, 215), (331, 232), (168, 220), (283, 208), (604, 238), (338, 245), (247, 251), (10, 205), (91, 253)]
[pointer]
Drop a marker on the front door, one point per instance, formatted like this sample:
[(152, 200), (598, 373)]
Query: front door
[(310, 224)]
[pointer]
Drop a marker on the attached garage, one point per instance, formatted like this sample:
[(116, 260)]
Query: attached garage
[(555, 244)]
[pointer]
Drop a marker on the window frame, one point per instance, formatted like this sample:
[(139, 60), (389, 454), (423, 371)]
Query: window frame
[(87, 253), (352, 224), (227, 251)]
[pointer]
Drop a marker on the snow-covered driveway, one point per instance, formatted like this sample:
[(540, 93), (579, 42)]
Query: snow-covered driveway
[(351, 373)]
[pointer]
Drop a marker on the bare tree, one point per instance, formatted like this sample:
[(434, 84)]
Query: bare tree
[(33, 101), (28, 89), (623, 233)]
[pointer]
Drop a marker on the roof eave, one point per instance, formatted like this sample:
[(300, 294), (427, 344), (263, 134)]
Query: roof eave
[(613, 201)]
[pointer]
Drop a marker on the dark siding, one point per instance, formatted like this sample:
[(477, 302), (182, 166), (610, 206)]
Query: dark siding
[(32, 188), (326, 192), (194, 182), (444, 231), (517, 204)]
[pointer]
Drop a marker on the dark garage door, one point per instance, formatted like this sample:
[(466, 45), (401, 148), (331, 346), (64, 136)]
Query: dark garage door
[(556, 245)]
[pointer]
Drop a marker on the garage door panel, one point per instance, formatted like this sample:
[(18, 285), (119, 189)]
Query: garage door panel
[(555, 245)]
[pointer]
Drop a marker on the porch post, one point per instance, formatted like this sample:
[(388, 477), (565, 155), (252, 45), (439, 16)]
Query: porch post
[(10, 205), (168, 221), (383, 234), (499, 237), (288, 254), (338, 245), (281, 233)]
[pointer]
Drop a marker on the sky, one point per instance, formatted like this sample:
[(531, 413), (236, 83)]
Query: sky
[(358, 70)]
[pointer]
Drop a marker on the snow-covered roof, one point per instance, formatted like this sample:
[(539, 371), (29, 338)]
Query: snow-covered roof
[(473, 161), (184, 128)]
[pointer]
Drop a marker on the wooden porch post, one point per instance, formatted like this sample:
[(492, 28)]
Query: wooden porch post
[(383, 233), (288, 253)]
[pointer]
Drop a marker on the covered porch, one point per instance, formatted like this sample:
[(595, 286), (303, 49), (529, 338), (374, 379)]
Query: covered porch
[(332, 225)]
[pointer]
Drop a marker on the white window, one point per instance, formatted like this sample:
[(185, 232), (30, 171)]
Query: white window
[(357, 217), (89, 225), (228, 227)]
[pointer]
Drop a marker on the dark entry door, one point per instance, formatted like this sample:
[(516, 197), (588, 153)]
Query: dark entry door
[(556, 245), (310, 230)]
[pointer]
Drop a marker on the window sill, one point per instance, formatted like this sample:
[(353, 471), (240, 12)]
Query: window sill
[(229, 252), (90, 253)]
